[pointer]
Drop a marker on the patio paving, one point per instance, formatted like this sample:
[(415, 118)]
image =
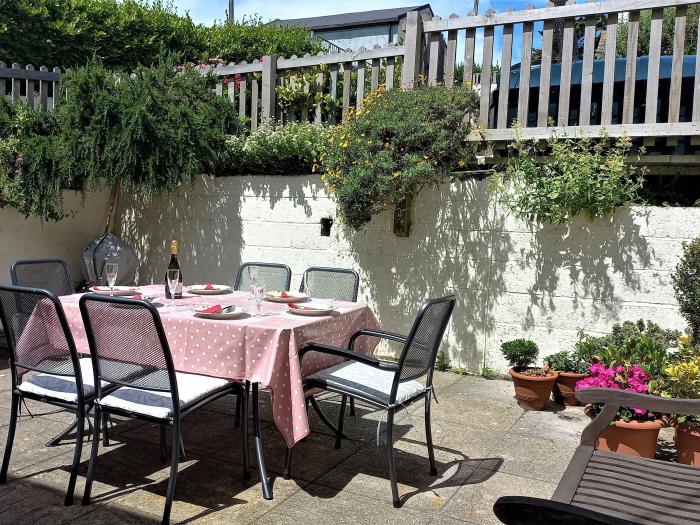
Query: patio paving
[(485, 447)]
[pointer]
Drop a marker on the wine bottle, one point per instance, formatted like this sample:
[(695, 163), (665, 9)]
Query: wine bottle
[(174, 265)]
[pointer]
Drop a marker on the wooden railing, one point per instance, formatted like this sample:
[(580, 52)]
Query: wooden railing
[(567, 79)]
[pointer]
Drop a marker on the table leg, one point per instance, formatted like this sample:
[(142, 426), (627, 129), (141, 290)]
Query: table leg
[(266, 485)]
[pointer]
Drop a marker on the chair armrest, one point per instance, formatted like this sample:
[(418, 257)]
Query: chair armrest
[(521, 510), (688, 407), (380, 334), (347, 354)]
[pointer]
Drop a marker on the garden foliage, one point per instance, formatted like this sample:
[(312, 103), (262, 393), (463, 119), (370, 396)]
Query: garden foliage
[(686, 283), (128, 33), (552, 183), (520, 353), (395, 144)]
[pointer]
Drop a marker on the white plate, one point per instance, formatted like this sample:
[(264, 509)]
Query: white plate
[(117, 291), (218, 289), (229, 312), (294, 297), (312, 311)]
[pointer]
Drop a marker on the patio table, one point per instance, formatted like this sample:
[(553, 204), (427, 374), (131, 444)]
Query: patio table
[(261, 350)]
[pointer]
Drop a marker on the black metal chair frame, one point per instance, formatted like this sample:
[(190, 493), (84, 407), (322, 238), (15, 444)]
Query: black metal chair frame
[(343, 271), (81, 407), (173, 420), (29, 262), (427, 394), (562, 508), (353, 299), (244, 266)]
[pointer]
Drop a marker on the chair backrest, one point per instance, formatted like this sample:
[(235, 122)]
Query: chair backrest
[(332, 283), (273, 276), (47, 274), (128, 344), (423, 342), (37, 333)]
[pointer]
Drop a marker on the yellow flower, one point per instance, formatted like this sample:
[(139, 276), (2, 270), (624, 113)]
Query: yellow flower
[(461, 163), (369, 142), (397, 174)]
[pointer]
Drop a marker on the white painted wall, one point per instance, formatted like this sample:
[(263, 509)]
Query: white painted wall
[(511, 280), (31, 238)]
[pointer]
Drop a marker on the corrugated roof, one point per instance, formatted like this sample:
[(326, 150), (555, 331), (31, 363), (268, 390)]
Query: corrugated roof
[(363, 18)]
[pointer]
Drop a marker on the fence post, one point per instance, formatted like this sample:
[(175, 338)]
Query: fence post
[(413, 49), (269, 83)]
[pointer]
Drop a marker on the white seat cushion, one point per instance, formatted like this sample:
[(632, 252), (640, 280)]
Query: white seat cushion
[(62, 387), (373, 383), (190, 387)]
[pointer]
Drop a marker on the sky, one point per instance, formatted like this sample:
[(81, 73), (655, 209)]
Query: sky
[(206, 11)]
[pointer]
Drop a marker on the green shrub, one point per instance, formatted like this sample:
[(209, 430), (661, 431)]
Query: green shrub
[(275, 149), (489, 373), (149, 131), (442, 363), (566, 361), (555, 182), (397, 143), (129, 33), (686, 283), (631, 343), (520, 353)]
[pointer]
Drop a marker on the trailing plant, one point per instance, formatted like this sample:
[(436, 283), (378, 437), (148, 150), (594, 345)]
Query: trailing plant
[(300, 92), (520, 353), (129, 33), (555, 181), (397, 143), (566, 361), (686, 283), (30, 176), (149, 131), (275, 149)]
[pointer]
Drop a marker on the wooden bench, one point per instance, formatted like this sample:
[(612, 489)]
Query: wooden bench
[(613, 489)]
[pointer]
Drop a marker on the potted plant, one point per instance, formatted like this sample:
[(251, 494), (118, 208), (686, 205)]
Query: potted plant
[(682, 381), (533, 386), (572, 369), (634, 431)]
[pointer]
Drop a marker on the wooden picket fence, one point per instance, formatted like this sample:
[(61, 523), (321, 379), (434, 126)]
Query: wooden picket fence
[(666, 106)]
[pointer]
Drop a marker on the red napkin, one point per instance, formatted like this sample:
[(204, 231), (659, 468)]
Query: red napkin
[(138, 297), (284, 294), (208, 286), (211, 310), (293, 306)]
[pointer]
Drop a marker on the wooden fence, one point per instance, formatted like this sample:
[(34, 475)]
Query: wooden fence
[(29, 84), (566, 76)]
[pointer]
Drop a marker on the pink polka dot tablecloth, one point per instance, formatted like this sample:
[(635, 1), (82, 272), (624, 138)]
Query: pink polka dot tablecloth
[(257, 349)]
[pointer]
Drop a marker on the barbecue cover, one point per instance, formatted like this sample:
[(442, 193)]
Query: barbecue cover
[(113, 248)]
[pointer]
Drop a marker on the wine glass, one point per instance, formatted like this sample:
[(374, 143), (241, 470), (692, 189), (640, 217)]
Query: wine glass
[(258, 294), (173, 281), (253, 276), (111, 270)]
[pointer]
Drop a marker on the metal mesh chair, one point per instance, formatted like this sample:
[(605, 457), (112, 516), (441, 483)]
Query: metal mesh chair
[(272, 276), (331, 283), (44, 364), (47, 274), (387, 386), (129, 348)]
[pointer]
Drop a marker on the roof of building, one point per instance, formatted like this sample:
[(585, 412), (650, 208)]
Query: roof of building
[(345, 20)]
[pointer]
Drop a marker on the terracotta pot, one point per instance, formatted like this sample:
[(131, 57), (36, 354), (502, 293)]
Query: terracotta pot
[(636, 438), (565, 388), (688, 444), (533, 392)]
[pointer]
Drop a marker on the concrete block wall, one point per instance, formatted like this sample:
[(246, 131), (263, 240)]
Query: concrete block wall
[(30, 238), (512, 280)]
